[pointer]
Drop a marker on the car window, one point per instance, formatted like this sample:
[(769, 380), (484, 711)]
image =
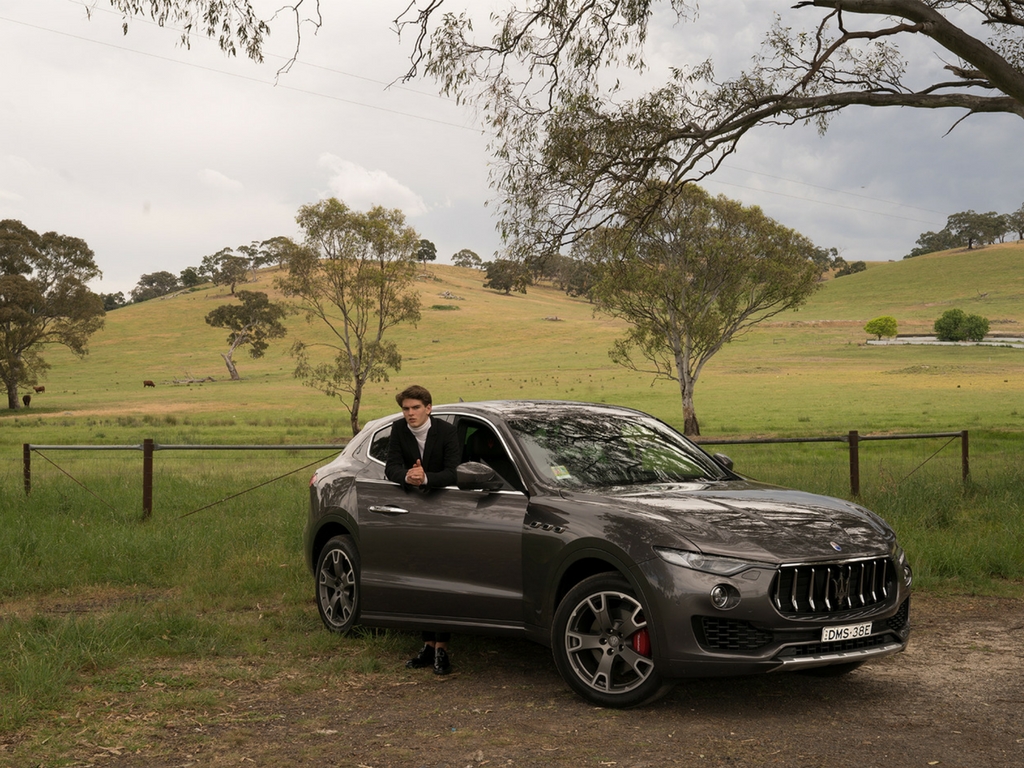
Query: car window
[(379, 444), (481, 443), (586, 450)]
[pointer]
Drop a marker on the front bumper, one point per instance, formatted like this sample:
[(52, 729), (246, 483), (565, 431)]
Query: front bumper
[(693, 638)]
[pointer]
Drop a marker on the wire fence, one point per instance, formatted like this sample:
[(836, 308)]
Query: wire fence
[(854, 439), (149, 448)]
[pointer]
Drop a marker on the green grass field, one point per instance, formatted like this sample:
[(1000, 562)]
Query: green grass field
[(90, 595)]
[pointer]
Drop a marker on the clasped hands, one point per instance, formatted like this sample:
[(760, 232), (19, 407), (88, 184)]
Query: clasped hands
[(416, 475)]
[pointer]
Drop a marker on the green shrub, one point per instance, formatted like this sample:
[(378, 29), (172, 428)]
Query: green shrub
[(956, 325), (882, 326)]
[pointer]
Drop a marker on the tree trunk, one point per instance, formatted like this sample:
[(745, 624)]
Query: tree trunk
[(691, 427), (231, 366), (357, 396), (12, 397)]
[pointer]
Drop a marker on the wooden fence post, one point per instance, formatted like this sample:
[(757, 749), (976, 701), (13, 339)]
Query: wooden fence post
[(965, 461), (27, 462), (147, 478), (854, 440)]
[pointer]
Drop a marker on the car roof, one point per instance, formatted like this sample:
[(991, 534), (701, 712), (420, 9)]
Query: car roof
[(513, 408)]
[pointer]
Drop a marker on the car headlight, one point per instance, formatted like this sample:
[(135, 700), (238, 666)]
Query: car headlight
[(697, 561)]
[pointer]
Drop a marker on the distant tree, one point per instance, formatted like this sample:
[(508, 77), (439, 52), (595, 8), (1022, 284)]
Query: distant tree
[(1015, 222), (278, 250), (574, 276), (956, 325), (426, 251), (44, 300), (153, 285), (225, 267), (112, 301), (964, 230), (969, 227), (507, 275), (252, 322), (355, 274), (930, 242), (191, 277), (849, 268), (705, 271), (825, 259), (882, 327), (467, 258)]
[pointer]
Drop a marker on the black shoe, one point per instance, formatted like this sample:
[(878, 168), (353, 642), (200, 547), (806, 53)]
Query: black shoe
[(424, 658), (442, 663)]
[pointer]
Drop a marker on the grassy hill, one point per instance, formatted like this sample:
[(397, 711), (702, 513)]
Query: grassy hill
[(986, 281), (806, 371)]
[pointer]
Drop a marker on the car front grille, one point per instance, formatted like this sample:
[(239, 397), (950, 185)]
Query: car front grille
[(827, 588)]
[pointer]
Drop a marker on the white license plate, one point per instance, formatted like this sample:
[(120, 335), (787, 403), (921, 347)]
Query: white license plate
[(848, 632)]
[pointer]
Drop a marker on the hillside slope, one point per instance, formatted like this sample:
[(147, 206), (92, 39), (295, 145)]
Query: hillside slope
[(808, 370), (987, 281)]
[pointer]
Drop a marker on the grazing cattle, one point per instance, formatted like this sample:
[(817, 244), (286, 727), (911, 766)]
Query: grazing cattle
[(39, 389), (148, 383), (26, 399)]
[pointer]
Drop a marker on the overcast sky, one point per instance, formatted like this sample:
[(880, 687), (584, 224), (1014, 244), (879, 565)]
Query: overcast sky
[(157, 155)]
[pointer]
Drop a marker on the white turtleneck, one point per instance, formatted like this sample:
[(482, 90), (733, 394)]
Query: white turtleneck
[(420, 433)]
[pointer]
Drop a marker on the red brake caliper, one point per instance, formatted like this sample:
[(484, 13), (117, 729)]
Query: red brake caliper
[(641, 642)]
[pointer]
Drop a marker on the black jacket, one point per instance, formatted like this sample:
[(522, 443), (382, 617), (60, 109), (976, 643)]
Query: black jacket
[(441, 455)]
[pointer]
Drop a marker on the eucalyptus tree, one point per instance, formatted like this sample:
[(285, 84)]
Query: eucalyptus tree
[(1015, 222), (355, 275), (467, 258), (572, 150), (252, 323), (426, 251), (691, 279), (154, 285), (44, 299), (225, 267)]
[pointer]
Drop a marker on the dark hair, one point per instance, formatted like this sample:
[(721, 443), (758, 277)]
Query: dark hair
[(415, 392)]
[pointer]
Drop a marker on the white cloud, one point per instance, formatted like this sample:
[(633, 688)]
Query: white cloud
[(218, 180), (362, 189)]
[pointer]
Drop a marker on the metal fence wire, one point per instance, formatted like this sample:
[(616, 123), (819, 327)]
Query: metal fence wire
[(149, 448), (853, 439)]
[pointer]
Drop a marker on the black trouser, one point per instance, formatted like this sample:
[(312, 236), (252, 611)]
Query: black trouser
[(436, 637)]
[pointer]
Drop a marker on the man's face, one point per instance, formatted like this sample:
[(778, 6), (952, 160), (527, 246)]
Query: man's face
[(415, 412)]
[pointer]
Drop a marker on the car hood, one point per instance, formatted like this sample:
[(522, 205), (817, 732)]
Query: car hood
[(759, 522)]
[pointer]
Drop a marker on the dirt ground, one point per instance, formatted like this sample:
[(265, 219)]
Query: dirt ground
[(954, 698)]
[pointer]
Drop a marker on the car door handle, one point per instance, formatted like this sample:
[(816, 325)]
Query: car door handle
[(387, 509)]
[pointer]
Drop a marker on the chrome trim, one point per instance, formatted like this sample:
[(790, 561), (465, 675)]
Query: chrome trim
[(387, 509), (818, 659), (844, 586), (385, 481)]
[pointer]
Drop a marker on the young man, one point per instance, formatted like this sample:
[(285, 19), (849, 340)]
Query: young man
[(423, 453)]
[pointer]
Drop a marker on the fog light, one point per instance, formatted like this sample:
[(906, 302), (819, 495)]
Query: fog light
[(720, 597), (908, 575)]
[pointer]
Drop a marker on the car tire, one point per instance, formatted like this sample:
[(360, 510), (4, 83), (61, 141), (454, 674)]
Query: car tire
[(337, 584), (601, 644)]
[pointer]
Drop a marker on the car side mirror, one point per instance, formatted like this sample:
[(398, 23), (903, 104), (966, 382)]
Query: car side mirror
[(476, 476), (724, 460)]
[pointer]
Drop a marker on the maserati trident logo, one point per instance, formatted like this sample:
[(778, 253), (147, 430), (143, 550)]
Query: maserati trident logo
[(842, 588), (836, 547)]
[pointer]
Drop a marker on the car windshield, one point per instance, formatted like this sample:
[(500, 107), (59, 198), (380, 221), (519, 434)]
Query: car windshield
[(588, 449)]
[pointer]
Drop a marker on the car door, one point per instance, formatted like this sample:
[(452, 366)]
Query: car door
[(443, 553)]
